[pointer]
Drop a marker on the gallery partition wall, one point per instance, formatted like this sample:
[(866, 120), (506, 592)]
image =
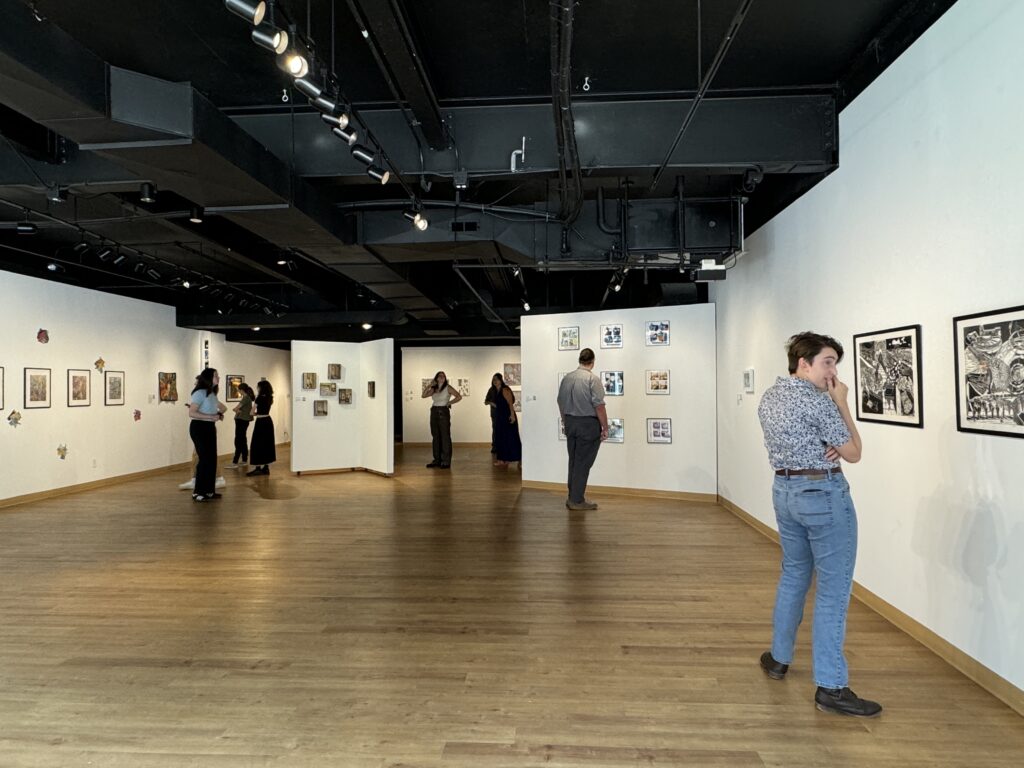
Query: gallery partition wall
[(658, 368)]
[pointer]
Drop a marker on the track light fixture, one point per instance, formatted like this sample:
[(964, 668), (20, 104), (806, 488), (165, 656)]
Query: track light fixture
[(308, 88), (363, 154), (268, 311), (147, 192), (294, 63), (418, 219), (329, 107), (349, 137), (526, 306), (54, 267), (57, 194), (105, 253), (378, 174), (251, 12), (119, 259), (153, 273), (196, 216), (80, 248), (515, 271), (367, 326), (270, 37), (335, 121)]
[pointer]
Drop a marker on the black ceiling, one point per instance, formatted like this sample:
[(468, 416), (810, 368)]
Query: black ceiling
[(297, 231)]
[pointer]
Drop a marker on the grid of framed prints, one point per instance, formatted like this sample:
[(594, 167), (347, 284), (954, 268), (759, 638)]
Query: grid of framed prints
[(234, 393), (79, 388), (887, 376), (616, 431), (611, 336), (989, 355), (113, 387), (657, 333), (657, 383), (613, 383), (659, 430), (37, 388), (568, 338)]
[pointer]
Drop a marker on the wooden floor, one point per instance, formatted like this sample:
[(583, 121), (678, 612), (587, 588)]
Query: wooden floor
[(434, 620)]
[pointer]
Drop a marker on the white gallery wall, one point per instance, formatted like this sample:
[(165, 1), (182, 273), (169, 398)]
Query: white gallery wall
[(688, 464), (471, 419), (920, 224), (359, 434), (137, 337)]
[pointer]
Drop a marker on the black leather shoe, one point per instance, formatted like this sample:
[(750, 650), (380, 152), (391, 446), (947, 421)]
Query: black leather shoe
[(444, 466), (254, 472), (433, 465), (843, 701), (774, 669)]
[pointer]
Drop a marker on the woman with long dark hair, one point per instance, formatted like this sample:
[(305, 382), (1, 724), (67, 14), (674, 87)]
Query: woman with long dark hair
[(443, 396), (204, 411), (507, 445), (262, 451), (243, 415)]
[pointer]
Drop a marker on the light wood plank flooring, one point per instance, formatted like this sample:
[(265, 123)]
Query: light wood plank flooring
[(435, 620)]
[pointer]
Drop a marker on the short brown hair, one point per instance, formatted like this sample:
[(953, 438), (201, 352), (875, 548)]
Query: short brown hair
[(807, 345), (586, 356)]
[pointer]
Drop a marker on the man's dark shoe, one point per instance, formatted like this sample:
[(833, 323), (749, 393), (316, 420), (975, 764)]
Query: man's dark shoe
[(774, 669), (433, 465), (843, 701), (444, 466)]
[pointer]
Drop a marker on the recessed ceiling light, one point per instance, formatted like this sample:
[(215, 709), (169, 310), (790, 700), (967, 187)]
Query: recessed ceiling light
[(255, 327), (367, 326)]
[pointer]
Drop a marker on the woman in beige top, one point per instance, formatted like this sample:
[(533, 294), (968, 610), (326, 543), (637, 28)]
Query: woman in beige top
[(443, 397)]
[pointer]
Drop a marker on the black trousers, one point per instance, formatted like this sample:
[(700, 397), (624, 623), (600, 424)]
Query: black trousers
[(204, 438), (241, 445), (441, 432), (583, 437)]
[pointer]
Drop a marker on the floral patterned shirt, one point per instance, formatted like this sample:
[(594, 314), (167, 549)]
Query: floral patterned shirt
[(799, 423)]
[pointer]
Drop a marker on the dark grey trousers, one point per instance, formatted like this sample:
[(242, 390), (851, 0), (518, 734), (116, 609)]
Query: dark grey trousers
[(441, 432), (583, 436)]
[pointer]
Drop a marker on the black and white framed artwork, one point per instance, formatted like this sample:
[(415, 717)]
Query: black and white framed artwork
[(659, 430), (989, 357), (887, 376), (613, 383), (611, 336), (657, 333)]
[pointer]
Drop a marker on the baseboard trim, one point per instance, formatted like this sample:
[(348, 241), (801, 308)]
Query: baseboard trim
[(610, 490), (340, 470), (991, 681), (66, 490)]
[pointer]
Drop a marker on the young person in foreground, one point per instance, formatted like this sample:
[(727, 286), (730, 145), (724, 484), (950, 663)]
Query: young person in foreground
[(808, 428)]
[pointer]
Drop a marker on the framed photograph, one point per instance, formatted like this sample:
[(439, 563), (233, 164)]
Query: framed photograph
[(334, 371), (371, 389), (233, 394), (568, 338), (657, 333), (513, 374), (613, 383), (167, 387), (328, 389), (517, 402), (611, 336), (79, 387), (657, 383), (616, 431), (748, 381), (37, 388), (345, 396), (1, 388), (309, 381), (561, 430), (462, 385), (989, 355), (113, 387), (887, 376), (659, 430), (319, 408)]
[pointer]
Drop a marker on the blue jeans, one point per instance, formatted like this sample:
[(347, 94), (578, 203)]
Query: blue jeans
[(818, 533)]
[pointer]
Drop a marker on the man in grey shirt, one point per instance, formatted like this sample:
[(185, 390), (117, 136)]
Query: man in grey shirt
[(581, 406)]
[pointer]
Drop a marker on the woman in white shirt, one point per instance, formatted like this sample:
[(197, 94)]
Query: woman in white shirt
[(204, 411), (443, 396)]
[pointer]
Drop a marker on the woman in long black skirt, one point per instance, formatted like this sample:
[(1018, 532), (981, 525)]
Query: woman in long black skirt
[(262, 450), (204, 411), (508, 446)]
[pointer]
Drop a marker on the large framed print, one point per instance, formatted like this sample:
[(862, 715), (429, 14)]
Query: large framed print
[(659, 430), (989, 356), (113, 387), (37, 387), (887, 376), (234, 393), (79, 388), (616, 431), (657, 333), (568, 338), (657, 383), (614, 383), (611, 336)]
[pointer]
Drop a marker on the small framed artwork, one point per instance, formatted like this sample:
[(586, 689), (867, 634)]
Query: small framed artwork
[(887, 376), (1, 388), (113, 387), (561, 430), (657, 333), (371, 389), (611, 336), (334, 371), (167, 387), (319, 408), (616, 431), (345, 396), (517, 402), (79, 388), (568, 338), (234, 393), (659, 430), (309, 381), (657, 383), (462, 385), (748, 381), (328, 389), (989, 355), (37, 388), (613, 383), (513, 374)]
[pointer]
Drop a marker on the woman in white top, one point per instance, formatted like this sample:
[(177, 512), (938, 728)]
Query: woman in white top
[(443, 396), (205, 410)]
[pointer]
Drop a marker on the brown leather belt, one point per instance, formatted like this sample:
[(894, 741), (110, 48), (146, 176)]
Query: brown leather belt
[(809, 472)]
